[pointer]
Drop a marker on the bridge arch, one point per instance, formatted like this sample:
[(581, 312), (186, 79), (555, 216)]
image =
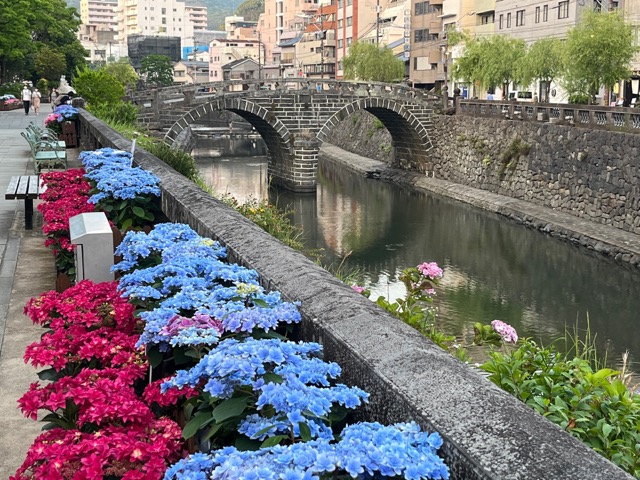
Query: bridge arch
[(275, 134), (409, 129)]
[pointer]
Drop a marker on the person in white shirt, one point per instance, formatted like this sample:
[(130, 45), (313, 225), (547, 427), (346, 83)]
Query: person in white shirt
[(26, 99)]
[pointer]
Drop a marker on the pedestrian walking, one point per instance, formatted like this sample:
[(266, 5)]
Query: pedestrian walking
[(35, 101), (26, 99), (52, 97)]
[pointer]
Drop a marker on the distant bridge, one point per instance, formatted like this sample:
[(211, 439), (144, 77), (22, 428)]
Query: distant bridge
[(294, 116)]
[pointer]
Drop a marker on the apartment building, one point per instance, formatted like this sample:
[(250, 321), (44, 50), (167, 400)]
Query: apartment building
[(158, 17), (99, 13), (197, 16), (225, 51)]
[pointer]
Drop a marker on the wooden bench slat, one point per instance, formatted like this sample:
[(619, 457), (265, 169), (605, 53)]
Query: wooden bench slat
[(11, 189), (33, 191), (23, 185)]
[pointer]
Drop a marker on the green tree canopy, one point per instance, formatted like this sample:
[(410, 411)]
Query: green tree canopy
[(50, 64), (158, 70), (598, 53), (491, 61), (366, 61), (544, 61), (250, 9), (123, 72), (97, 87)]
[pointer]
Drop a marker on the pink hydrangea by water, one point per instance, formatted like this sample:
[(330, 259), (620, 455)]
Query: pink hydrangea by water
[(430, 270), (506, 331)]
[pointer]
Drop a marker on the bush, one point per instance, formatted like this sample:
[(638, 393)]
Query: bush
[(180, 161), (124, 113), (594, 406), (12, 88), (98, 87)]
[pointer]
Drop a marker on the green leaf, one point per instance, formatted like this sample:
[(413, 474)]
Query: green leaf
[(272, 378), (273, 441), (49, 374), (246, 444), (232, 407), (199, 420), (260, 303), (212, 431), (154, 356), (305, 432), (139, 212), (126, 224)]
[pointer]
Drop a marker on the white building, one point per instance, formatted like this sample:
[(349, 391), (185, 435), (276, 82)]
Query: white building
[(172, 18)]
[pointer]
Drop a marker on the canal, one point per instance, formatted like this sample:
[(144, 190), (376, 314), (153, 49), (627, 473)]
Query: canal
[(493, 268)]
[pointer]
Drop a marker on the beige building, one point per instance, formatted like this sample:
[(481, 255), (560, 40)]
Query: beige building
[(224, 51), (100, 13)]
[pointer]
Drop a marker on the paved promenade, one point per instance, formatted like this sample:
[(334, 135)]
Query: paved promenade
[(26, 270)]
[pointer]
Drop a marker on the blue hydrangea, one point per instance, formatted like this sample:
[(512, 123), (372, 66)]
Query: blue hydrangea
[(122, 183), (364, 450), (93, 159)]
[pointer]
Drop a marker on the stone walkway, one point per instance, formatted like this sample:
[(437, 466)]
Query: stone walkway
[(26, 270)]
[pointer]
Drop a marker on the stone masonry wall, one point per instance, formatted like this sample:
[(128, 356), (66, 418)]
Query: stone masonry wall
[(592, 174)]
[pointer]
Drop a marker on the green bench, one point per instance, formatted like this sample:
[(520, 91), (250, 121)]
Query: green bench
[(46, 153), (44, 133), (27, 188)]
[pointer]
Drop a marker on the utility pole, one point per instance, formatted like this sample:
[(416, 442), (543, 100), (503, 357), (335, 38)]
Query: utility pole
[(378, 24), (321, 43), (259, 55)]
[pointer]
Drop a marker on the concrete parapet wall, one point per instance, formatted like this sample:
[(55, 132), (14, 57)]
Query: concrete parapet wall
[(487, 433)]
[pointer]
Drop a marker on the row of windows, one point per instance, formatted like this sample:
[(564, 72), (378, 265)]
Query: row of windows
[(341, 42), (164, 10), (422, 8), (349, 22), (540, 13), (164, 20), (423, 35), (341, 3)]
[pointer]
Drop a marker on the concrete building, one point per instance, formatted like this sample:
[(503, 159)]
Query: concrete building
[(100, 13), (190, 72), (224, 51), (169, 18), (197, 17)]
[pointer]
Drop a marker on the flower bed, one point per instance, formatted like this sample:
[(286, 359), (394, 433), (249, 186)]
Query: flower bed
[(186, 336), (11, 104)]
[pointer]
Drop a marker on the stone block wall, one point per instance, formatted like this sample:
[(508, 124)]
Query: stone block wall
[(487, 433)]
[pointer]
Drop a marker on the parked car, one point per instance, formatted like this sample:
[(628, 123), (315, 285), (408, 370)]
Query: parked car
[(521, 96)]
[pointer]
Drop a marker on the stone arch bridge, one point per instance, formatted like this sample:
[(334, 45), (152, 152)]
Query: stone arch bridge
[(294, 117)]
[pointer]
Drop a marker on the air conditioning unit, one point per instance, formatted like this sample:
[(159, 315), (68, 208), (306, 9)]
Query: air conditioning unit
[(93, 238)]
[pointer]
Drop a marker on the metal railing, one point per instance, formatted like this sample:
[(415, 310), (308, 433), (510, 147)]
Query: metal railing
[(592, 116)]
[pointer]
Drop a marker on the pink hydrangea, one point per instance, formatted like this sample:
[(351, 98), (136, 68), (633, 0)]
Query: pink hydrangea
[(358, 288), (506, 331), (430, 270)]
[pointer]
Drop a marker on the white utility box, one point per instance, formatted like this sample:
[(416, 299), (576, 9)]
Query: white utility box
[(92, 235)]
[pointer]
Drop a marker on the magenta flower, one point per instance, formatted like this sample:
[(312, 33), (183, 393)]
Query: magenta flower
[(430, 270), (357, 288), (506, 331)]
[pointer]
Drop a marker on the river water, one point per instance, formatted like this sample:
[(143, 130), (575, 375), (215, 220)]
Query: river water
[(493, 268)]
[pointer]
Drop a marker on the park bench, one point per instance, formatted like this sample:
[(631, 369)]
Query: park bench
[(46, 153), (27, 188), (44, 133)]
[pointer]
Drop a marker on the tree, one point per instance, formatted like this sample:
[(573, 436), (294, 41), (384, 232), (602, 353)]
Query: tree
[(366, 61), (158, 70), (50, 64), (123, 72), (544, 61), (250, 9), (491, 61), (97, 87), (598, 53), (16, 35)]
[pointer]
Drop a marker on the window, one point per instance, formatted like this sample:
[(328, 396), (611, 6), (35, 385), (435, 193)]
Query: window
[(164, 21), (421, 35), (340, 3), (423, 8), (545, 13), (501, 21), (164, 11), (340, 23), (349, 21), (537, 14), (519, 18), (508, 20), (340, 43), (349, 40), (488, 18), (349, 2), (563, 9)]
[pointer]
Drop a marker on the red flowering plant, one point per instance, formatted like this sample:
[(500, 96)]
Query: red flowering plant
[(65, 197), (131, 452), (91, 327)]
